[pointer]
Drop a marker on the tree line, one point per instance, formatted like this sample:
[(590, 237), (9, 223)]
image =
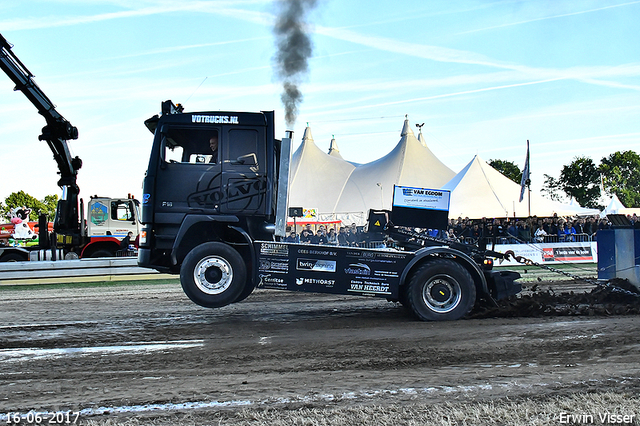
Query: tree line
[(582, 179), (21, 199)]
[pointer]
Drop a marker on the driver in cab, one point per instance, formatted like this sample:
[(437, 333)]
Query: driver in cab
[(213, 144)]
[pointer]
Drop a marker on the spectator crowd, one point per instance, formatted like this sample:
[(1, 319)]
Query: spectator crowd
[(498, 230), (530, 230), (346, 236)]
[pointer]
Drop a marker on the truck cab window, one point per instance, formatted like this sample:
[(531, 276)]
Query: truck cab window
[(121, 210), (243, 146), (173, 154), (192, 146)]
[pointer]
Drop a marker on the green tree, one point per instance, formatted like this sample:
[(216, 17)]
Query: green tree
[(580, 179), (50, 203), (22, 199), (507, 168), (621, 176), (551, 188)]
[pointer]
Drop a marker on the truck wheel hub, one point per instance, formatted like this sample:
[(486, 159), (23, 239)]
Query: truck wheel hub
[(213, 275), (442, 294)]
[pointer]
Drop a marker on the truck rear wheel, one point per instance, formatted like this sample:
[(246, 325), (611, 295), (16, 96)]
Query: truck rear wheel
[(213, 275), (14, 257), (101, 253), (441, 290)]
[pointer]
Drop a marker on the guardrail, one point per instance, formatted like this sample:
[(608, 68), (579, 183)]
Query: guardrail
[(63, 271)]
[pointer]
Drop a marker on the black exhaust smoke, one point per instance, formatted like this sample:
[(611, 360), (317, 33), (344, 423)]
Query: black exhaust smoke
[(294, 49)]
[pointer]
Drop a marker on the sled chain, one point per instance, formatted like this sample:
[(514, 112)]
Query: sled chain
[(607, 284)]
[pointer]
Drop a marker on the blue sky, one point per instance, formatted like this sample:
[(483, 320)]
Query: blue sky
[(483, 76)]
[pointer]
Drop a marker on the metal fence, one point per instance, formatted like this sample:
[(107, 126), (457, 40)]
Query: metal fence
[(545, 239), (103, 269)]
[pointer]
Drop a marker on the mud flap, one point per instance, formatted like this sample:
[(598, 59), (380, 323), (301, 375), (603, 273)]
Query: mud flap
[(502, 284)]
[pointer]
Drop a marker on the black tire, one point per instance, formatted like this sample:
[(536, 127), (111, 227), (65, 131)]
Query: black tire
[(13, 257), (441, 290), (403, 298), (213, 275), (248, 289), (101, 253)]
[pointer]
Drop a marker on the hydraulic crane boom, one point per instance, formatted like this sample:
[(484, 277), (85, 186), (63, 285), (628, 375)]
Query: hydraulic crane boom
[(56, 133)]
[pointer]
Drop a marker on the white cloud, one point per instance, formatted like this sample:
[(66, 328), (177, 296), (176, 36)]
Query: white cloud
[(228, 8), (555, 16)]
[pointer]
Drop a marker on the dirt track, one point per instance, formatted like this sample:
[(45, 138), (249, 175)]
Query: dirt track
[(116, 349)]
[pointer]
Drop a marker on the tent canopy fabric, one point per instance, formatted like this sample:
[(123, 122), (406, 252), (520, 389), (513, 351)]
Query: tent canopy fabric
[(316, 179), (479, 191), (370, 186)]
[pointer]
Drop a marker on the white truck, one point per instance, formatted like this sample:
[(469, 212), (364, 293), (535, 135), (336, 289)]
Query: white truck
[(108, 222)]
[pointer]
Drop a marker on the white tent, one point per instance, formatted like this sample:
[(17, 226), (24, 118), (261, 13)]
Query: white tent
[(479, 191), (613, 207), (370, 186), (334, 151), (316, 179)]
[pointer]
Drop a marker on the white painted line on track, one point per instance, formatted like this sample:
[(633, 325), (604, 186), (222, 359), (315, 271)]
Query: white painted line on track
[(29, 354)]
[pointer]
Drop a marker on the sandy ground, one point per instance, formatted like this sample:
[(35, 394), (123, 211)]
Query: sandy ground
[(127, 350)]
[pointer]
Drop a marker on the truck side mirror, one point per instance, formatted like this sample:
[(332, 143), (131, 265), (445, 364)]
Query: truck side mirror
[(247, 160)]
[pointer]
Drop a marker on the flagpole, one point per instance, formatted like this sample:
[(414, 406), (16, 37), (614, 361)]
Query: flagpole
[(529, 194), (529, 179)]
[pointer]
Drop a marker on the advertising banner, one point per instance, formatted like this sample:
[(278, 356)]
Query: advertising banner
[(329, 269), (420, 207), (421, 198), (550, 253)]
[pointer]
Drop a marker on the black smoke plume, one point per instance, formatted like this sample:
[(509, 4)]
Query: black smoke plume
[(294, 49)]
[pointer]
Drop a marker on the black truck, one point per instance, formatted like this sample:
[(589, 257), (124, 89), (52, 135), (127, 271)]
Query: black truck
[(214, 210)]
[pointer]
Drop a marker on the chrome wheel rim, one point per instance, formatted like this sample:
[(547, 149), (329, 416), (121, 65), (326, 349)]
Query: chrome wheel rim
[(213, 275), (442, 293)]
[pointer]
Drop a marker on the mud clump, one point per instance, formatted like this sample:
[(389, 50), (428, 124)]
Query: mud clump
[(615, 297)]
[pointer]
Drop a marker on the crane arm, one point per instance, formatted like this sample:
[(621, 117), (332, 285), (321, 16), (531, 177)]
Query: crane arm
[(56, 133)]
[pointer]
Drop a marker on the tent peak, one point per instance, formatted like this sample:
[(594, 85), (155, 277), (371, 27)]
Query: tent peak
[(307, 134), (334, 151), (333, 146), (406, 128)]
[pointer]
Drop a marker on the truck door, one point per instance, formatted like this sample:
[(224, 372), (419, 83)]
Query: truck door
[(188, 176), (123, 218), (112, 217), (244, 171)]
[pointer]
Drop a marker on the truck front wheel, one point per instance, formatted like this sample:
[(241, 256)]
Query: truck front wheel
[(441, 290), (213, 275)]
